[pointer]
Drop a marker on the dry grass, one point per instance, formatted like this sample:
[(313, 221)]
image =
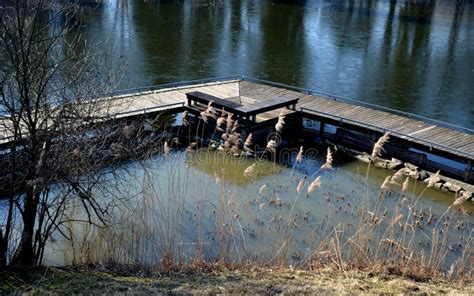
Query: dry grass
[(215, 279), (382, 241)]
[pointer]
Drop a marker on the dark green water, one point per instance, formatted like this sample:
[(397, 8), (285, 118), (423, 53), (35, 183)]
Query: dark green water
[(413, 57)]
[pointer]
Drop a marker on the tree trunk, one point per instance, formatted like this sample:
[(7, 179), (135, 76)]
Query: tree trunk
[(25, 253), (5, 237), (3, 251)]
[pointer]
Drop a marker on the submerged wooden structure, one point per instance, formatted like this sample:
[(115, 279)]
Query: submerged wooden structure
[(425, 142)]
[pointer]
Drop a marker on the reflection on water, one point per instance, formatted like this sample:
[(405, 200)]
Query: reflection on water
[(416, 57), (179, 208), (225, 167)]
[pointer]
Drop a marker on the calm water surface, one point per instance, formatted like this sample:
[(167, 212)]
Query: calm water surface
[(204, 203), (413, 57)]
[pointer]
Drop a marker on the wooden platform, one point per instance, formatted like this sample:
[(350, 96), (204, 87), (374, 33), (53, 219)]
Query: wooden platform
[(434, 136), (243, 111)]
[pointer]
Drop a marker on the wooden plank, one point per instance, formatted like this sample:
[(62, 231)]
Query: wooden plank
[(270, 93), (464, 140), (251, 89), (467, 146), (222, 91), (447, 138), (394, 123), (411, 126), (365, 116), (323, 106), (421, 130), (338, 107), (457, 139), (440, 135), (432, 132)]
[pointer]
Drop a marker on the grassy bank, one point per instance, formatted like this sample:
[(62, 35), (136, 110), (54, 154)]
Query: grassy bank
[(252, 280)]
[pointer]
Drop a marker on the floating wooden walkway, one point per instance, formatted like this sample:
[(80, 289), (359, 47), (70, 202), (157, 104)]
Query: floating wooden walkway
[(433, 134)]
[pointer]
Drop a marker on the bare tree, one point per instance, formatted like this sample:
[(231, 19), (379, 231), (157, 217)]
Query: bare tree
[(58, 133)]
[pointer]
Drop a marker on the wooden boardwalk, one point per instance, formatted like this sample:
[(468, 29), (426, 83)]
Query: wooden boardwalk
[(430, 134), (249, 91), (149, 101)]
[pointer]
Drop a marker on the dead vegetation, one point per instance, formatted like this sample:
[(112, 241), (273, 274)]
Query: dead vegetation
[(221, 280)]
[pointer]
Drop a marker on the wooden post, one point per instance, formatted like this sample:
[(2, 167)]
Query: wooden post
[(422, 161), (468, 172), (321, 128), (340, 134)]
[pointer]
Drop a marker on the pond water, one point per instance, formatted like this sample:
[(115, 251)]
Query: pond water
[(416, 56), (186, 206)]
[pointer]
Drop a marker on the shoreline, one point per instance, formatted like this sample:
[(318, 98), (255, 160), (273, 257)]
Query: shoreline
[(249, 280)]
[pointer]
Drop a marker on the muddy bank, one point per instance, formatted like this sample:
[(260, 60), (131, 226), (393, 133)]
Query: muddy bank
[(251, 281)]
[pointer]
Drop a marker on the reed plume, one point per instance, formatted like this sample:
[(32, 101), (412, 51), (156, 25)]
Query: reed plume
[(223, 112), (235, 150), (166, 149), (405, 184), (204, 116), (280, 123), (271, 145), (229, 123), (299, 157), (433, 179), (300, 186), (248, 142), (220, 122), (190, 148), (328, 164), (395, 179), (385, 183), (234, 139), (211, 112), (250, 170), (185, 121), (262, 189), (315, 184), (459, 201), (378, 147)]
